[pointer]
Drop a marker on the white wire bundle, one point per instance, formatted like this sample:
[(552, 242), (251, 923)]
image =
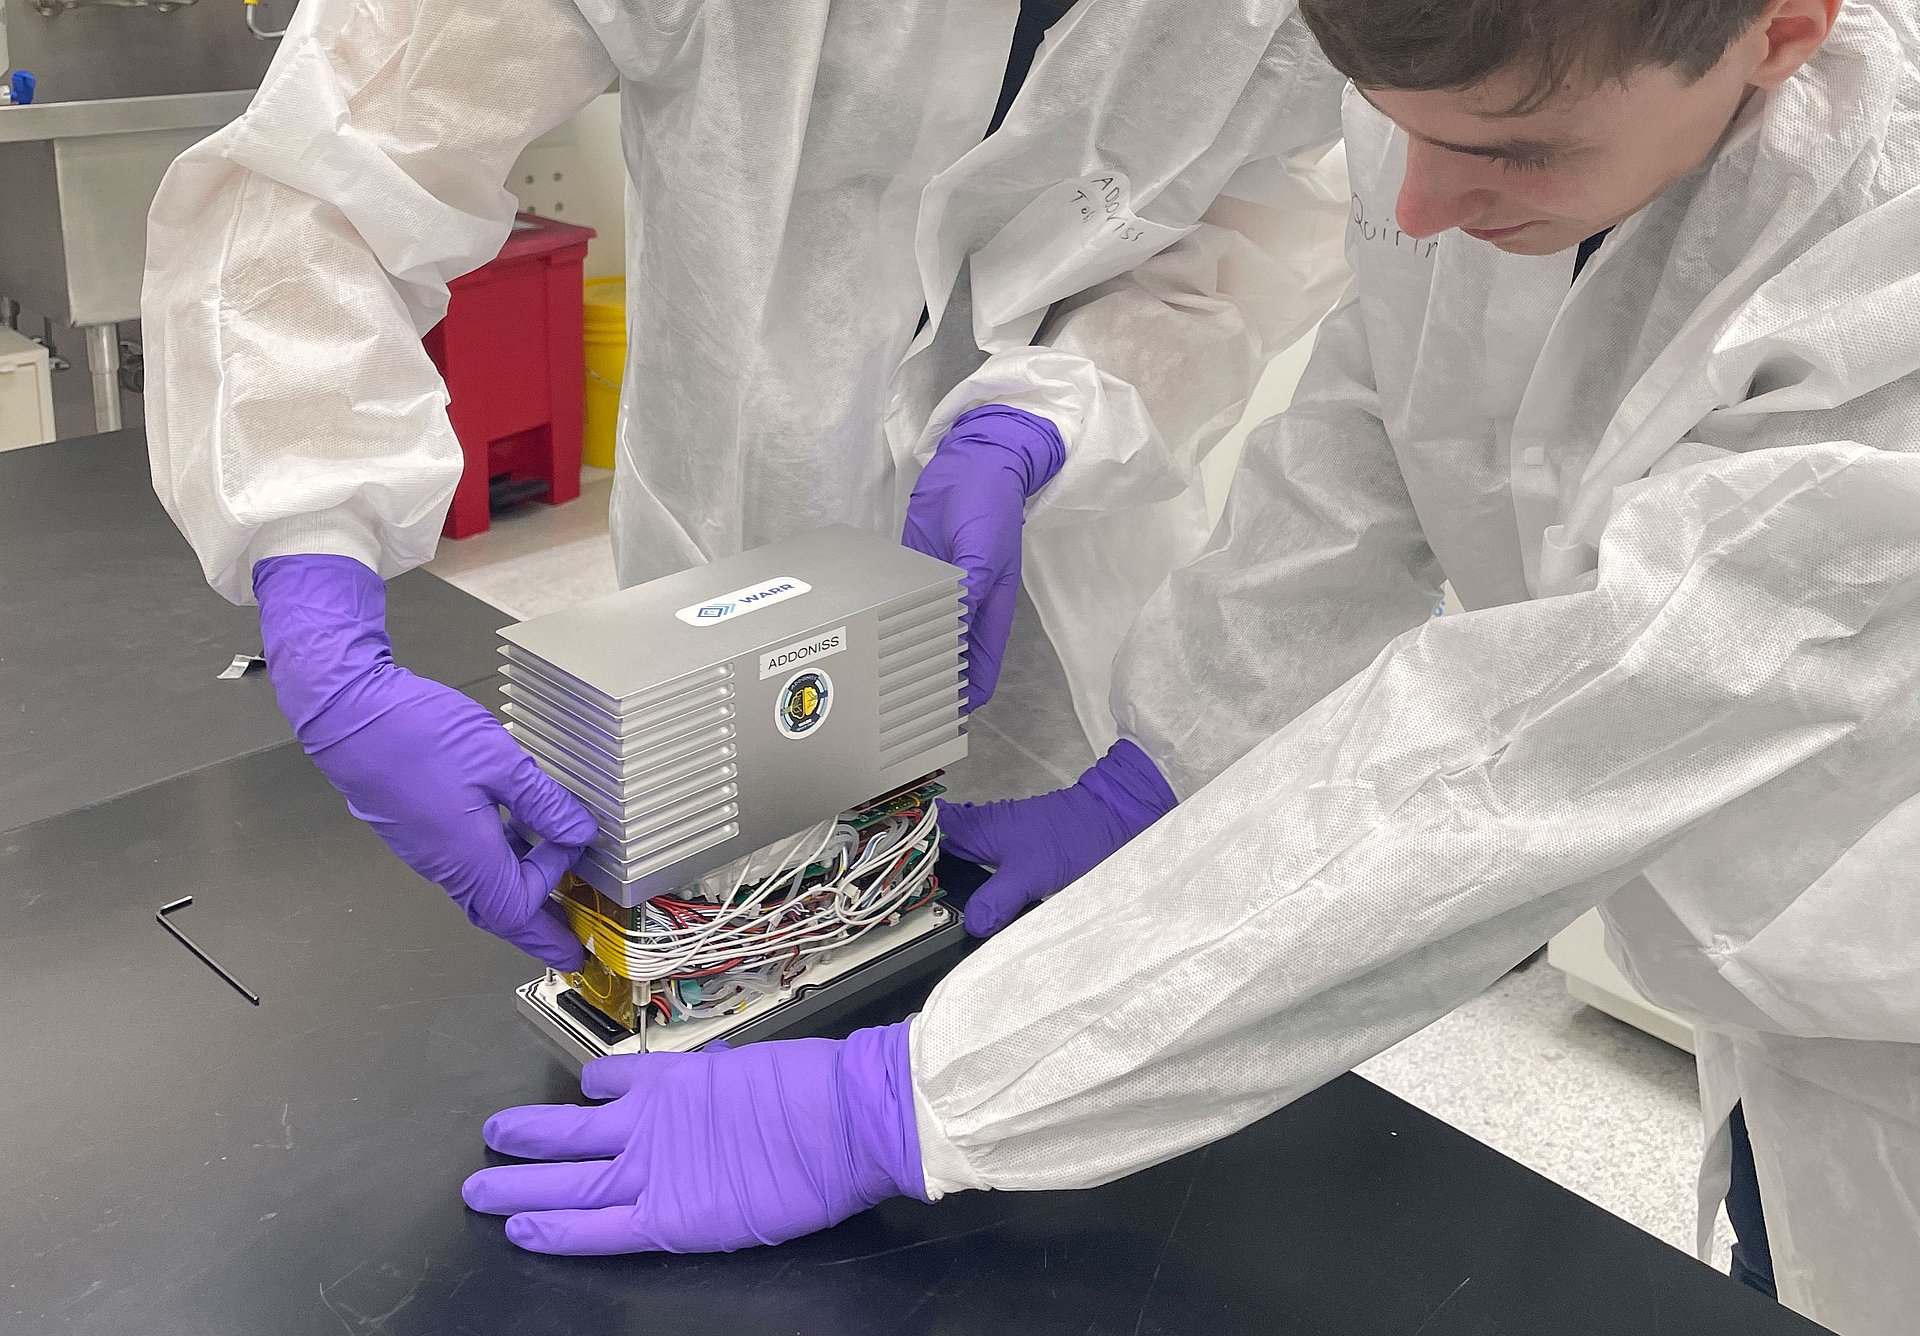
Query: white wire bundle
[(721, 883), (752, 928)]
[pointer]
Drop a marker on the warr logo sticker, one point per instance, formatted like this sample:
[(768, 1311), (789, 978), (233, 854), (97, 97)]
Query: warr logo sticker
[(743, 601)]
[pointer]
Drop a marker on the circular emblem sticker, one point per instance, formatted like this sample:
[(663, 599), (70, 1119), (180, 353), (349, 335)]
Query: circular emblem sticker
[(803, 703)]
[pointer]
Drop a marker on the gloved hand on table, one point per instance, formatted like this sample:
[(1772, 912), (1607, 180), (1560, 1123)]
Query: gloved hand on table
[(710, 1151), (420, 763), (969, 508), (1044, 844)]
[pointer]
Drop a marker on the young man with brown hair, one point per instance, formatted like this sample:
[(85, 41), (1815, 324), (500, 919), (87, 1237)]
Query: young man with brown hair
[(1631, 358)]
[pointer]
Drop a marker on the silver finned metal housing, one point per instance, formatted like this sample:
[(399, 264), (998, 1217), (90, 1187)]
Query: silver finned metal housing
[(705, 715)]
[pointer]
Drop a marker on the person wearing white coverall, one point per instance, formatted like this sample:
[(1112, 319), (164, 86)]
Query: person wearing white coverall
[(1680, 499), (1104, 282), (836, 267)]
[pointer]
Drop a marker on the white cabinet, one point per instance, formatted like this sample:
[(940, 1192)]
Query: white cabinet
[(26, 392), (1580, 953)]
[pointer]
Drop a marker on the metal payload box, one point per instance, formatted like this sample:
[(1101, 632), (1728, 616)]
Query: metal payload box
[(706, 717), (707, 714)]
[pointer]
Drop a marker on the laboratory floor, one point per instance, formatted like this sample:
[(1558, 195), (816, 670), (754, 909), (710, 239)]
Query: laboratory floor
[(1591, 1103)]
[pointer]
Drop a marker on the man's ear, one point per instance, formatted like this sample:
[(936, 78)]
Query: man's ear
[(1792, 30)]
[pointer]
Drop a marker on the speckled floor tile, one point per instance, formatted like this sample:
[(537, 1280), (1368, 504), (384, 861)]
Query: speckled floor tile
[(543, 581), (528, 530), (1573, 1094)]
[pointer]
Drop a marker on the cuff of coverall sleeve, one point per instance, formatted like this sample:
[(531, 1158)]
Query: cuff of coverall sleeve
[(328, 533), (1047, 384), (1115, 460), (943, 1163)]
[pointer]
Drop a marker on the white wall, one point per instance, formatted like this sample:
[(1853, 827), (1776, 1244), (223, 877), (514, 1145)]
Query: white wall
[(576, 174)]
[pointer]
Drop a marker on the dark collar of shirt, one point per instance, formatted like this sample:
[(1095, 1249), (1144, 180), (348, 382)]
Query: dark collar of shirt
[(1036, 16), (1587, 248)]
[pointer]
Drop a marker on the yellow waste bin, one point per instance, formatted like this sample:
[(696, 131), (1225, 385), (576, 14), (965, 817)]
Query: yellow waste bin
[(606, 343)]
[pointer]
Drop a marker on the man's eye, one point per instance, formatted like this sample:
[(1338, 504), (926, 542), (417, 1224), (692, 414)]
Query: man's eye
[(1536, 164)]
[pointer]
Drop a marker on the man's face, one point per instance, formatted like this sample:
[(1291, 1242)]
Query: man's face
[(1541, 182)]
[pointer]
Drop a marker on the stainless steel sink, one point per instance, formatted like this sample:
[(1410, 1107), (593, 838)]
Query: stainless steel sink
[(121, 115), (78, 179)]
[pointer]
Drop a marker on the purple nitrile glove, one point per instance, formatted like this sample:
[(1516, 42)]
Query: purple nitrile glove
[(423, 765), (969, 508), (1044, 844), (710, 1151)]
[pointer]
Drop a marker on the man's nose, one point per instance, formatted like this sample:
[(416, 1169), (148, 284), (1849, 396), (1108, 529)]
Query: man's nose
[(1438, 192)]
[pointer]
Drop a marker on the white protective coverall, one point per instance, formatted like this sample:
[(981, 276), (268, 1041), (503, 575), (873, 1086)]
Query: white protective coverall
[(1161, 206), (1681, 501)]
